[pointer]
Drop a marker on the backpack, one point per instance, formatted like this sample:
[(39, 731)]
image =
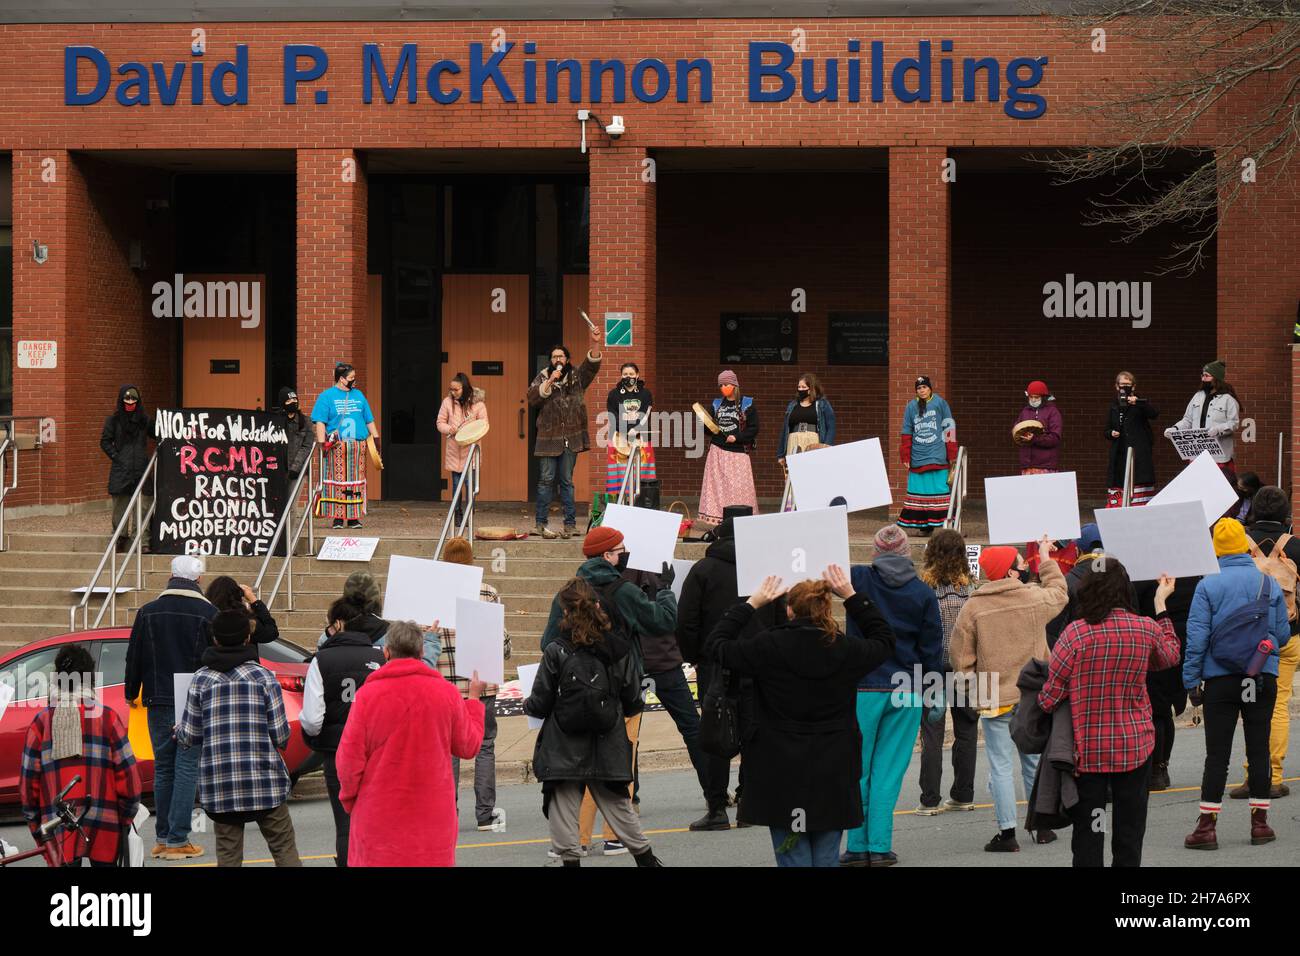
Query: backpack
[(585, 702), (1235, 640), (1278, 565)]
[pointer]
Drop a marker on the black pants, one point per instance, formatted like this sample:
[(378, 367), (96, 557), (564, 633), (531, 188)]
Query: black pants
[(1162, 718), (1226, 699), (342, 823), (1127, 822), (714, 771), (965, 727)]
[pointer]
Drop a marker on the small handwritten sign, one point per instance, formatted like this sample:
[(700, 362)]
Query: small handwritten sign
[(348, 549), (973, 559), (1190, 442)]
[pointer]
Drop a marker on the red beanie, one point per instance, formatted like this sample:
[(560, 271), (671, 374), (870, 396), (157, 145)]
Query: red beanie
[(997, 561), (601, 539), (1038, 388)]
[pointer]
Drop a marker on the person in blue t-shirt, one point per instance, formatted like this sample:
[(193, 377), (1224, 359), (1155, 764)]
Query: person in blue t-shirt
[(343, 422)]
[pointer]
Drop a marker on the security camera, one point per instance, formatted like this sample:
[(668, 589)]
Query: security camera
[(616, 128)]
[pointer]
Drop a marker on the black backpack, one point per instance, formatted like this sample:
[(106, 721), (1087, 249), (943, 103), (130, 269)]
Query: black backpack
[(585, 702)]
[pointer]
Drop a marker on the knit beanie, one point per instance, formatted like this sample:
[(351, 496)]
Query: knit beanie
[(728, 377), (230, 628), (1229, 538), (601, 539), (995, 562), (891, 539), (1218, 368), (1038, 388), (360, 589), (187, 566), (458, 551)]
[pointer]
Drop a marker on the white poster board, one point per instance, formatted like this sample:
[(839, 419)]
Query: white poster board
[(181, 692), (794, 545), (682, 567), (1158, 539), (480, 640), (347, 549), (856, 472), (1190, 442), (528, 674), (1200, 481), (650, 536), (973, 559), (1023, 508), (425, 591)]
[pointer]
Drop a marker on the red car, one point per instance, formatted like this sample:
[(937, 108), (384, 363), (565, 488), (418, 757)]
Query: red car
[(108, 647)]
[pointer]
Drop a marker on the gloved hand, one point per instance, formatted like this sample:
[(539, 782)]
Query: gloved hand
[(667, 576), (1169, 432), (1195, 695)]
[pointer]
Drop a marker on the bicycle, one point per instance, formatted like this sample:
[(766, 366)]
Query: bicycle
[(65, 817)]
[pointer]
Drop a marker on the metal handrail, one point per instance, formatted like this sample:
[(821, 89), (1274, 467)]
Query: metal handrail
[(1126, 492), (313, 496), (787, 497), (8, 444), (469, 486), (1280, 436), (110, 554), (631, 475), (957, 497)]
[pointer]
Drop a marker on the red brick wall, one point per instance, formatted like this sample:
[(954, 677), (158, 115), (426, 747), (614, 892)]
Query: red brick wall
[(89, 298), (736, 242)]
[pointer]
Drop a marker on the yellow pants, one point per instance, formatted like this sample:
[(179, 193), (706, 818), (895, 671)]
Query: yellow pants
[(587, 813), (1279, 734)]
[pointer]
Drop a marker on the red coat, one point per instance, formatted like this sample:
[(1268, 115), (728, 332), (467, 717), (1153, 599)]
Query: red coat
[(394, 765)]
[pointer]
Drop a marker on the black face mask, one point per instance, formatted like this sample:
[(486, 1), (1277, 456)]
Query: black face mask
[(1023, 575), (1207, 387), (291, 409), (629, 383), (622, 561), (802, 393)]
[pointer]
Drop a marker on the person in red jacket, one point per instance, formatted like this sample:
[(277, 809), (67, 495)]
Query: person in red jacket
[(1040, 446), (394, 759)]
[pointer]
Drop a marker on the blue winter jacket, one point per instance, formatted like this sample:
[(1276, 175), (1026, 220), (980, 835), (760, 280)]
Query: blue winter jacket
[(825, 425), (912, 610), (1217, 596)]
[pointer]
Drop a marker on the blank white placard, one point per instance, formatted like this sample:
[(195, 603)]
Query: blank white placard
[(855, 472), (650, 536), (181, 692), (1158, 539), (1200, 481), (1023, 508), (425, 591), (795, 546), (682, 567), (480, 640), (528, 674)]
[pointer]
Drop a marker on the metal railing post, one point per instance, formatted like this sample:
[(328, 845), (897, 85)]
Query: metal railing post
[(1279, 472), (1126, 492)]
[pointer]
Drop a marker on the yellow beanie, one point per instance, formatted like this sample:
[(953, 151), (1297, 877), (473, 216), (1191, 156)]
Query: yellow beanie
[(1229, 537)]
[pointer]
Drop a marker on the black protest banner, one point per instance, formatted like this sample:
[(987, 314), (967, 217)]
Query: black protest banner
[(222, 481)]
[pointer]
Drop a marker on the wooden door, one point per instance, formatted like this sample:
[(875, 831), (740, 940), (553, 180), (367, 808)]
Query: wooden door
[(497, 338), (223, 361), (578, 339), (374, 375)]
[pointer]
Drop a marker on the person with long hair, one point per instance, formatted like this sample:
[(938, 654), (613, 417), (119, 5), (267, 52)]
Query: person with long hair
[(583, 743), (803, 763), (1100, 666), (227, 594), (809, 418), (628, 407), (125, 440), (928, 450), (1128, 425), (946, 570), (462, 403), (1215, 408)]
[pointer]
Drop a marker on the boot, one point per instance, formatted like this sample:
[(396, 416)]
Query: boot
[(1159, 777), (1204, 836), (1260, 831), (572, 863), (545, 532), (1240, 792), (647, 858), (715, 819)]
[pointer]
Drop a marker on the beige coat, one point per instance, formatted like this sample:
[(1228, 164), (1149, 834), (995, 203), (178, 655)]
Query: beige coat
[(450, 418), (1000, 628)]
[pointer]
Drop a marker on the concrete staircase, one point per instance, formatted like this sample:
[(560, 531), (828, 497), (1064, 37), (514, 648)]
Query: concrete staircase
[(40, 569)]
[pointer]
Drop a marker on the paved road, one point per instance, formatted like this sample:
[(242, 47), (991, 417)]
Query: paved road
[(671, 799)]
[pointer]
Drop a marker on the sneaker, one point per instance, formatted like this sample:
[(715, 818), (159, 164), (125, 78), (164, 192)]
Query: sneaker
[(582, 852), (354, 525), (951, 804), (923, 811), (1002, 844), (848, 858), (337, 525), (613, 848), (888, 858), (187, 852), (157, 850), (545, 532)]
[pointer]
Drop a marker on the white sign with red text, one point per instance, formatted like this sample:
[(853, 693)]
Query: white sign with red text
[(40, 353), (347, 549)]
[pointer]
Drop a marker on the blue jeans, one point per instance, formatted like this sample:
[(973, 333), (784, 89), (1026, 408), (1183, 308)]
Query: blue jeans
[(675, 694), (1002, 753), (175, 779), (556, 469), (809, 849)]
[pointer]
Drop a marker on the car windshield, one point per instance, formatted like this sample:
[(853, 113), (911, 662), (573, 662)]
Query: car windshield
[(281, 651)]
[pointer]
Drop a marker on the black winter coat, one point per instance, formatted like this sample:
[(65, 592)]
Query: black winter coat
[(559, 755), (1133, 422), (659, 652), (805, 749), (707, 593), (125, 440), (1165, 688)]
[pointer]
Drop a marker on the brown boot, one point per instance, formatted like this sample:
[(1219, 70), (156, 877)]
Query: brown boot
[(1260, 831), (1240, 792), (1204, 836)]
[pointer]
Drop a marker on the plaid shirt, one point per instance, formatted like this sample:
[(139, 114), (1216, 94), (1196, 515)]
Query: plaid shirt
[(447, 656), (1102, 669), (951, 599), (238, 718), (110, 782)]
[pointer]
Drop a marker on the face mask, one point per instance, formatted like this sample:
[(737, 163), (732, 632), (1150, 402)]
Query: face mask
[(629, 382), (291, 408), (1207, 387), (802, 393), (129, 405), (622, 561), (1023, 575), (728, 391), (1035, 401)]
